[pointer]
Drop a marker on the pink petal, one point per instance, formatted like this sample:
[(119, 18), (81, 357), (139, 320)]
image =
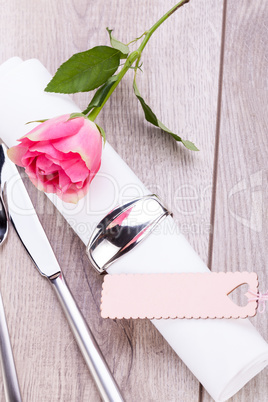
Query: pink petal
[(96, 169), (73, 196), (28, 157), (52, 178), (28, 161), (45, 165), (46, 147), (16, 154), (31, 169), (64, 181), (87, 142), (25, 142), (77, 170), (58, 127)]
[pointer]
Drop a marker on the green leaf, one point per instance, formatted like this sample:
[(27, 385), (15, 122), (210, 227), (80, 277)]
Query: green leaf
[(102, 132), (36, 121), (151, 118), (190, 145), (100, 94), (116, 44), (85, 71)]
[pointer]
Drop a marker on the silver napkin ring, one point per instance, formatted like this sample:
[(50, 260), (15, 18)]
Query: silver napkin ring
[(122, 229)]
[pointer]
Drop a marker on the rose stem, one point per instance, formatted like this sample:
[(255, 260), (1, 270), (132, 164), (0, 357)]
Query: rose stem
[(134, 56)]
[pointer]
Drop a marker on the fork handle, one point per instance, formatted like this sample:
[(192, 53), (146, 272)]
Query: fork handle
[(89, 348), (11, 385)]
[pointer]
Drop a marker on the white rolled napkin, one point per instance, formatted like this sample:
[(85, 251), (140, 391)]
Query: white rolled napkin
[(223, 354)]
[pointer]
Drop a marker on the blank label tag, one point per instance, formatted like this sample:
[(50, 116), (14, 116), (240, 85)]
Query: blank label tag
[(185, 295)]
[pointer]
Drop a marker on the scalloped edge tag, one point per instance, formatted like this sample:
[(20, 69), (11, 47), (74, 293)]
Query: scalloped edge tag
[(177, 295)]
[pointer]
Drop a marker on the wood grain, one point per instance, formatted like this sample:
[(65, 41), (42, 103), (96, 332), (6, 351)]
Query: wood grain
[(181, 67), (240, 237), (144, 365)]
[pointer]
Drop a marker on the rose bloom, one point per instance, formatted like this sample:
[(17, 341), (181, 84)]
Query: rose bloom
[(61, 156)]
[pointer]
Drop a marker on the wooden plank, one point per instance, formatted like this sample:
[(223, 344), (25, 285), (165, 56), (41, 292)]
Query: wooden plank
[(180, 82), (240, 227)]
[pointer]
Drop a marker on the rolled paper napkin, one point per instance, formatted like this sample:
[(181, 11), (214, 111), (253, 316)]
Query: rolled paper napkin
[(223, 354)]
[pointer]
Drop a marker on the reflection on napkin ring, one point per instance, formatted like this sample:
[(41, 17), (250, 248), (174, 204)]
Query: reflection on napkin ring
[(122, 229)]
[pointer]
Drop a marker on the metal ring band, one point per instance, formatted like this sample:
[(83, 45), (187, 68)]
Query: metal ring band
[(122, 229)]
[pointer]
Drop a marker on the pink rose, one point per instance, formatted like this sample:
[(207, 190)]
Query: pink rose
[(61, 156)]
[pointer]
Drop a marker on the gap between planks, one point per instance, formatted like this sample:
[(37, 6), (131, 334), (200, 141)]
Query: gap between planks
[(216, 152)]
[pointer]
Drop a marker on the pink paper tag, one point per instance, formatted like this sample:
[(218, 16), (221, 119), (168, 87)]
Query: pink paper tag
[(185, 295)]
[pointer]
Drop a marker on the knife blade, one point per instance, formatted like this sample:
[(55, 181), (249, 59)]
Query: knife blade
[(32, 235)]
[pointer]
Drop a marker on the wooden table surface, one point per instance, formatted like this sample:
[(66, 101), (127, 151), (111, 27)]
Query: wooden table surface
[(205, 76)]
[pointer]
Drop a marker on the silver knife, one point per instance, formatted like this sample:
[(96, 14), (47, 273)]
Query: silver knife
[(8, 368), (32, 235)]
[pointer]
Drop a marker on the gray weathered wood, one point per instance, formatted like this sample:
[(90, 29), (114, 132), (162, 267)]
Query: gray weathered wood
[(180, 82), (240, 226)]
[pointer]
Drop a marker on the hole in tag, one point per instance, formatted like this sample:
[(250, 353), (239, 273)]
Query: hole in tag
[(238, 296)]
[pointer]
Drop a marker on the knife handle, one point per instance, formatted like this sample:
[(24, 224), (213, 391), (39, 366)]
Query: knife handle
[(11, 385), (88, 346)]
